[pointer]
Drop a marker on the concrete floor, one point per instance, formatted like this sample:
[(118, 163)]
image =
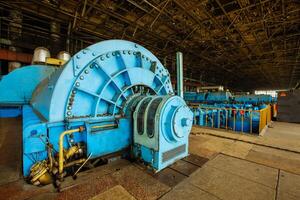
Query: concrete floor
[(226, 177), (239, 167), (279, 147), (10, 149)]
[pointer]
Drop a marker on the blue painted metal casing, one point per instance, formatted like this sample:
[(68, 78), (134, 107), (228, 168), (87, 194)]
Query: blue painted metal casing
[(34, 139), (99, 142), (10, 111), (218, 97), (17, 87), (208, 97), (195, 97), (161, 128), (189, 96), (95, 88), (98, 79), (254, 99)]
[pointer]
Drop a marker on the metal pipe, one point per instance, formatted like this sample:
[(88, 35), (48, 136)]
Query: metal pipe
[(105, 126), (218, 87), (61, 142), (226, 119), (68, 37), (61, 148), (179, 64), (234, 113), (219, 116), (206, 116), (74, 175), (243, 121), (251, 121), (50, 158), (212, 118), (79, 161)]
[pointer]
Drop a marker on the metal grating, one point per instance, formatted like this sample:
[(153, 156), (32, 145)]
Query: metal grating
[(173, 153)]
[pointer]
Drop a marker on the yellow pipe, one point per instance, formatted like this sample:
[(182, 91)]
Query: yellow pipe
[(61, 147), (105, 126), (61, 142)]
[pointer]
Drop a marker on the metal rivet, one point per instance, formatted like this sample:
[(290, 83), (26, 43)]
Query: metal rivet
[(84, 52), (93, 53), (147, 58), (81, 77), (77, 56), (74, 91), (69, 107), (101, 58), (143, 56), (129, 52), (68, 113), (135, 45), (134, 53), (86, 71), (77, 84), (77, 67), (107, 55), (113, 53), (124, 52)]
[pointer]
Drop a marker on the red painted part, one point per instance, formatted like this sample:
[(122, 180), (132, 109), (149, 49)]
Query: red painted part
[(8, 55), (282, 94)]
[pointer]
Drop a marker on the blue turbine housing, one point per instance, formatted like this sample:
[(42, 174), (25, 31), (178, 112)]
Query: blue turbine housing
[(112, 96)]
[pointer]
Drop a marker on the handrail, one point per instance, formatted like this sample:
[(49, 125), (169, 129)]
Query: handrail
[(236, 119)]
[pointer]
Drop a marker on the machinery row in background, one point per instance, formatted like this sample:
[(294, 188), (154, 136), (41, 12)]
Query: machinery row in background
[(240, 113), (111, 99)]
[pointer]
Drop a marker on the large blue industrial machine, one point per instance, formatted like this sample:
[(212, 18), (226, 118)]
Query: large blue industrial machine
[(114, 96)]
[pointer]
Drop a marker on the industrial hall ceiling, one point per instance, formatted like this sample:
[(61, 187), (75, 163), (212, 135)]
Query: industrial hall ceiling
[(241, 44)]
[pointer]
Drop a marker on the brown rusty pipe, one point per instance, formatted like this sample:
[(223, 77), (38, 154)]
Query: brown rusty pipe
[(79, 161)]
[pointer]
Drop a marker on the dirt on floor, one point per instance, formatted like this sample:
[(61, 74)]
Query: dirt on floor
[(218, 161)]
